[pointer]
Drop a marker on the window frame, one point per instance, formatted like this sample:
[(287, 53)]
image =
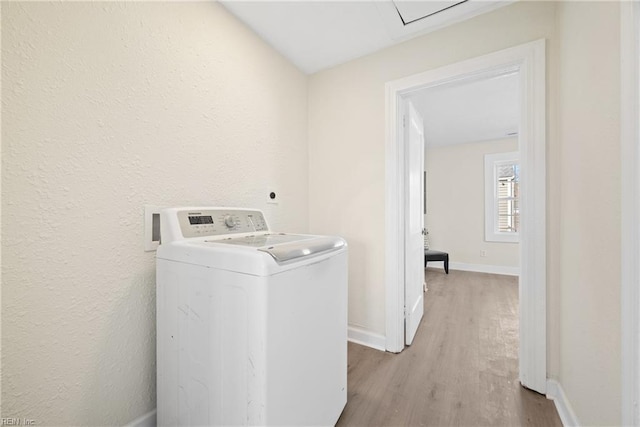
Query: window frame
[(492, 232)]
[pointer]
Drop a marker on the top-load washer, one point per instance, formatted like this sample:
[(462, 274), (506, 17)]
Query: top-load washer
[(251, 324)]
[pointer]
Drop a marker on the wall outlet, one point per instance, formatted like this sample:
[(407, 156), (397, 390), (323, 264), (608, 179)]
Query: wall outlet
[(151, 227), (483, 253)]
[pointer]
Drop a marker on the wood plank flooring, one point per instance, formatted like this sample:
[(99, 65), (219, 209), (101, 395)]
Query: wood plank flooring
[(461, 370)]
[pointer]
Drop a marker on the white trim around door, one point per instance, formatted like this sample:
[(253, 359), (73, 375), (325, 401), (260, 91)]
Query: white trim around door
[(630, 250), (528, 61)]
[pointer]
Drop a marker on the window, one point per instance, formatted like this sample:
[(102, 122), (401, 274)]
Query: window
[(502, 197)]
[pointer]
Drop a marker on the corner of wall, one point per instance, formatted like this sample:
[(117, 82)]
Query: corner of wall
[(150, 419), (0, 227), (556, 393), (361, 336)]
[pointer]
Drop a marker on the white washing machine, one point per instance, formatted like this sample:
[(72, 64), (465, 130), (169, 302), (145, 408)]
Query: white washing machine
[(251, 325)]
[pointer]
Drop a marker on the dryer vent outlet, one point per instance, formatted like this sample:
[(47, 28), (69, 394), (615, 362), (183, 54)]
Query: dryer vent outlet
[(151, 227)]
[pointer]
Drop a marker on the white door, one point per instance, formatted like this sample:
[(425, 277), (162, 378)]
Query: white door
[(414, 240)]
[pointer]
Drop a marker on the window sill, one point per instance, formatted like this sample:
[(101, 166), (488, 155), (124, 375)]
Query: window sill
[(502, 237)]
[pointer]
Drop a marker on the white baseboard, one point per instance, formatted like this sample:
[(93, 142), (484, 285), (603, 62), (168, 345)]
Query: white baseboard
[(149, 419), (484, 268), (361, 336), (563, 406)]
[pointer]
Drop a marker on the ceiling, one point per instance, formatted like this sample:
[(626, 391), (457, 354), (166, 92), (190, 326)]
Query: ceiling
[(473, 111), (318, 34)]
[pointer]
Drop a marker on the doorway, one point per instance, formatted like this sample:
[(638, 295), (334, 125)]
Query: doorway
[(471, 160), (528, 61)]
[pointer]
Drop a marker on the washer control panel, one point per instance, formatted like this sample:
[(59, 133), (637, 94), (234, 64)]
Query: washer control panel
[(215, 222)]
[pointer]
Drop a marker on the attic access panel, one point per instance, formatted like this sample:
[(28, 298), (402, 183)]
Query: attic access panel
[(412, 11)]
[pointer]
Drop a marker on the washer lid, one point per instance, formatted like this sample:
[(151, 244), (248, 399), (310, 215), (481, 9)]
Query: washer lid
[(261, 240), (242, 255), (286, 247), (297, 249)]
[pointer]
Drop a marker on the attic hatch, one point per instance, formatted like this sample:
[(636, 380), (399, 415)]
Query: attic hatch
[(412, 11)]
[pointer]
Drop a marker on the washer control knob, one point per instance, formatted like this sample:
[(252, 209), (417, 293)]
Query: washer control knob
[(229, 221)]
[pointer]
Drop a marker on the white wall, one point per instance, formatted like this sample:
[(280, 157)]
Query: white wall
[(590, 214), (1, 359), (107, 107), (455, 203), (346, 147), (346, 177)]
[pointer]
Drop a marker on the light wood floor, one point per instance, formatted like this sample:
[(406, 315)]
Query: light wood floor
[(462, 368)]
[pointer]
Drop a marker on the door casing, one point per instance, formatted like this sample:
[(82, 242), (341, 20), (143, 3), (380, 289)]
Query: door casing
[(630, 212), (528, 60)]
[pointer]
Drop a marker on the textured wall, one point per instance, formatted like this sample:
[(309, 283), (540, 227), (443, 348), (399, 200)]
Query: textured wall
[(107, 107), (455, 203), (347, 140)]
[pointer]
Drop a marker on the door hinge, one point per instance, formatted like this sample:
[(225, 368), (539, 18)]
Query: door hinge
[(404, 121)]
